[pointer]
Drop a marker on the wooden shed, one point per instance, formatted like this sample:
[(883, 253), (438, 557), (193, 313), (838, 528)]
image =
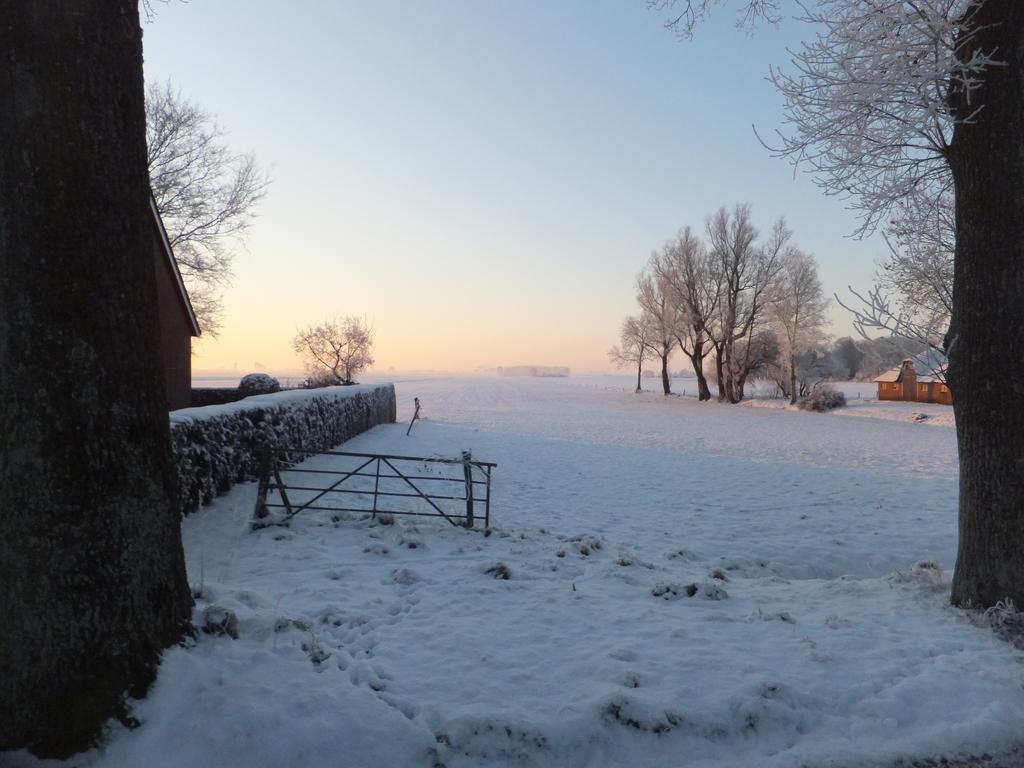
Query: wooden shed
[(178, 322), (906, 384)]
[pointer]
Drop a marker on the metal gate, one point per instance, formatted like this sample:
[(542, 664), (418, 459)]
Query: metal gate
[(459, 490)]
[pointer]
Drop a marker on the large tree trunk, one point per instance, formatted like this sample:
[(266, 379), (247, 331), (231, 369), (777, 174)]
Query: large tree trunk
[(665, 385), (697, 362), (720, 369), (986, 338), (739, 388), (92, 575), (696, 356)]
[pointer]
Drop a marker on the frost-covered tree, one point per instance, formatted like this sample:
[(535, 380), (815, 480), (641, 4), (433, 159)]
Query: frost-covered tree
[(335, 351), (919, 268), (745, 273), (91, 562), (662, 312), (892, 97), (848, 357), (756, 357), (206, 193), (912, 299), (635, 345), (798, 311), (686, 268)]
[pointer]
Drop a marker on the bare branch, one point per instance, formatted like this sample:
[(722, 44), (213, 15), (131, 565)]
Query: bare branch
[(207, 195), (685, 15), (868, 99)]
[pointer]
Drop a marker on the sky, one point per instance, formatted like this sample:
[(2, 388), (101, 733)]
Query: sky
[(481, 180)]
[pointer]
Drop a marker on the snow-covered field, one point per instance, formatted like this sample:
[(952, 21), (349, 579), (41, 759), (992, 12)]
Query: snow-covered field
[(817, 548)]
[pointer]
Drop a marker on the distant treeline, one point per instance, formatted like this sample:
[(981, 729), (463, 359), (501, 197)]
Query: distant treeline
[(534, 370)]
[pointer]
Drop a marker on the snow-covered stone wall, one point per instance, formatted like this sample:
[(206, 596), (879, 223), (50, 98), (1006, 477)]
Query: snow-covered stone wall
[(217, 446)]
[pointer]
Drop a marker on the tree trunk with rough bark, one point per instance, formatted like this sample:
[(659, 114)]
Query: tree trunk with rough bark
[(986, 339), (697, 362), (720, 373), (91, 563), (696, 355), (666, 385), (792, 379)]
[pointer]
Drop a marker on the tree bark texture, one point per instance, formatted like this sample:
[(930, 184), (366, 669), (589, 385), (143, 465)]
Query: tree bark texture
[(92, 574), (703, 391), (792, 379), (720, 373), (696, 355), (665, 383), (985, 342)]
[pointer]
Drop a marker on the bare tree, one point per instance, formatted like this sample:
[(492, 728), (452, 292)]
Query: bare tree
[(685, 267), (91, 561), (206, 193), (662, 311), (635, 346), (746, 273), (894, 96), (798, 310), (902, 325), (685, 15), (336, 350), (912, 298), (868, 107), (756, 357)]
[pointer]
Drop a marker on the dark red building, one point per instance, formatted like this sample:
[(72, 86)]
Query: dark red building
[(178, 322), (905, 383)]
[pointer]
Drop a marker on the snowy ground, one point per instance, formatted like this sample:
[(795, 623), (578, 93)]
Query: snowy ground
[(813, 637)]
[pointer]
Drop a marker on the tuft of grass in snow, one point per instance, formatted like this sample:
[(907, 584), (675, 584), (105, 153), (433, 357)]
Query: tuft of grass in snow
[(499, 571), (1007, 622), (673, 591)]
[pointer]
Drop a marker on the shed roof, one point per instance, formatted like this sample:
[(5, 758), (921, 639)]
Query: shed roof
[(165, 245), (889, 376)]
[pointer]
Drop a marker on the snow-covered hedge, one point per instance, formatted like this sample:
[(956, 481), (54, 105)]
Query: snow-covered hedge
[(217, 446)]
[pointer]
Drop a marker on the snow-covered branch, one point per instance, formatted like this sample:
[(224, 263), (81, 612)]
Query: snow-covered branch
[(867, 100)]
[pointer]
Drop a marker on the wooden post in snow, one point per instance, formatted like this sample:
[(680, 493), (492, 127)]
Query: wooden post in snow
[(467, 471), (415, 415)]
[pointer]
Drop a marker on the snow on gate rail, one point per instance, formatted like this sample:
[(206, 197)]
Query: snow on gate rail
[(374, 483)]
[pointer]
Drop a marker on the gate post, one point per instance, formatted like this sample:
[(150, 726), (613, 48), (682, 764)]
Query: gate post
[(467, 470), (261, 495)]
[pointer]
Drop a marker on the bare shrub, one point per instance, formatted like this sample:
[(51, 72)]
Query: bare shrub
[(823, 398), (335, 351)]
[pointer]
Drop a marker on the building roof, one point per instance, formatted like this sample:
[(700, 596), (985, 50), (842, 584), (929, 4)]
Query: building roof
[(930, 367), (165, 245)]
